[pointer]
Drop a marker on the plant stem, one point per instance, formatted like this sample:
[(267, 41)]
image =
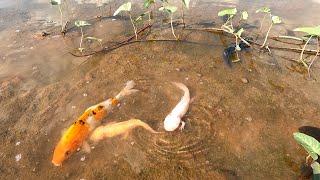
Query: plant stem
[(134, 27), (80, 45), (172, 30), (61, 17), (265, 39), (182, 14), (315, 57), (301, 55)]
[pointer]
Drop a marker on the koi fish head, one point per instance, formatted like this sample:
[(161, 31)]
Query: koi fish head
[(61, 152)]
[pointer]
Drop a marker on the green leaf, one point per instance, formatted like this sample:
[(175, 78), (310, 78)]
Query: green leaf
[(244, 15), (315, 167), (81, 23), (94, 38), (123, 7), (55, 2), (147, 3), (264, 10), (229, 12), (275, 19), (239, 32), (309, 30), (310, 144), (186, 3), (168, 8)]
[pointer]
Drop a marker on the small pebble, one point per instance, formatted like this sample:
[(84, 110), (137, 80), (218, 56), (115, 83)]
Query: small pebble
[(92, 147), (18, 157), (178, 69), (199, 75), (31, 47), (18, 143), (132, 143), (187, 78), (88, 82), (201, 82), (34, 170), (73, 107), (17, 30), (83, 158), (85, 94), (78, 149), (244, 80), (249, 119), (118, 105)]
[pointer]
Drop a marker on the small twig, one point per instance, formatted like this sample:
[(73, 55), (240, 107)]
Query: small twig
[(134, 27)]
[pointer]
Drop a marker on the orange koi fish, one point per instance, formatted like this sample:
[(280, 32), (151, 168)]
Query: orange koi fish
[(116, 129), (78, 132)]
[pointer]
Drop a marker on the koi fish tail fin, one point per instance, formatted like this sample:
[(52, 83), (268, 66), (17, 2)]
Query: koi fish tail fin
[(145, 126), (127, 90)]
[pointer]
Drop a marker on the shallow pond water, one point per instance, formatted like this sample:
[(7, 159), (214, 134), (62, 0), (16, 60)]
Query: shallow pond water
[(239, 125)]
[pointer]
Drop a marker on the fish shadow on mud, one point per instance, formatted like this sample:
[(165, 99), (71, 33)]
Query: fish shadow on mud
[(306, 171)]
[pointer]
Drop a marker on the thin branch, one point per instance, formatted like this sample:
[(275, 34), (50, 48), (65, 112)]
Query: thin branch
[(61, 17)]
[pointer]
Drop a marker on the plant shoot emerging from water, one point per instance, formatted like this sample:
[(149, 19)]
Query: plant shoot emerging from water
[(311, 32), (81, 24), (274, 20), (127, 7), (170, 10)]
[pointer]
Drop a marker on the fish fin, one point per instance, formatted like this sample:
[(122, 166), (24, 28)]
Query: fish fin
[(127, 90), (125, 135), (86, 147)]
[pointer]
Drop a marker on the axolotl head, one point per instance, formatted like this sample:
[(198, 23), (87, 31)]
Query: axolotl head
[(171, 122)]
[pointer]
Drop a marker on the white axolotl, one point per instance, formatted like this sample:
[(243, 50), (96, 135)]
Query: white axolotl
[(173, 120)]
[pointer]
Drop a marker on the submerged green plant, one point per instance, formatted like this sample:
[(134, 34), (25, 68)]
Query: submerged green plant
[(170, 10), (311, 32), (58, 3), (127, 7), (81, 24), (274, 20)]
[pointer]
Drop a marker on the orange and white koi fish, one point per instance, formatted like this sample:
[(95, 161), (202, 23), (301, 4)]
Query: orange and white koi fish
[(173, 120), (116, 129), (78, 132)]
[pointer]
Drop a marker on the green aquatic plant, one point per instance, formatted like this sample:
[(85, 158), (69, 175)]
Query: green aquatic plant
[(312, 146), (58, 3), (311, 33), (170, 10), (81, 24), (274, 20), (127, 7)]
